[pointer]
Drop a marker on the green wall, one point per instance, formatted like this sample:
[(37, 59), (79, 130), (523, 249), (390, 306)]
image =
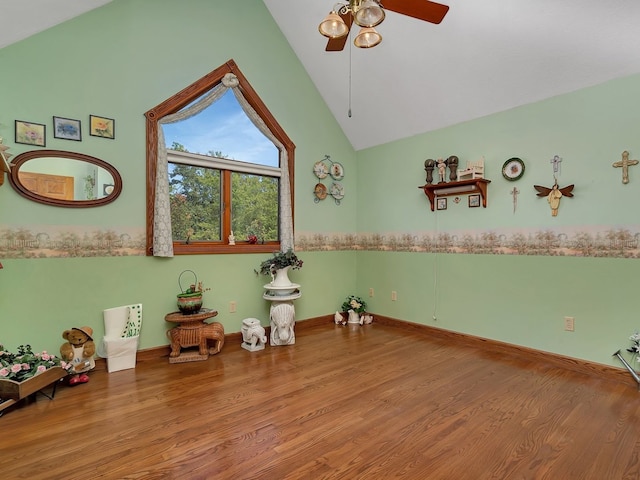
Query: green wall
[(126, 57), (119, 61), (518, 299)]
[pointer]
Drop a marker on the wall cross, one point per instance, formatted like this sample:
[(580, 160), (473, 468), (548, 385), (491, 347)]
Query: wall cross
[(625, 163), (514, 194), (555, 161)]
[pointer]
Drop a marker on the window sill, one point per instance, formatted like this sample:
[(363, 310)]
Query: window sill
[(202, 248)]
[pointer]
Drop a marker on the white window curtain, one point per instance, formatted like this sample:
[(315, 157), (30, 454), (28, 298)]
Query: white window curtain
[(162, 238)]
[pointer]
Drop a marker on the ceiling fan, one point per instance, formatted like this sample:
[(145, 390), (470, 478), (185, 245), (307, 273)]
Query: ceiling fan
[(369, 13)]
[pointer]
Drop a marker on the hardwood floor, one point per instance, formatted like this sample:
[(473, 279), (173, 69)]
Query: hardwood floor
[(371, 402)]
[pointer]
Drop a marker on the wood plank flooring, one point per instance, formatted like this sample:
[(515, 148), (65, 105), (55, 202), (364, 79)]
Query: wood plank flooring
[(344, 402)]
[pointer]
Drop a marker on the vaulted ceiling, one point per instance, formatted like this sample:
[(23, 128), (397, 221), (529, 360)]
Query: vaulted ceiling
[(486, 56), (22, 19)]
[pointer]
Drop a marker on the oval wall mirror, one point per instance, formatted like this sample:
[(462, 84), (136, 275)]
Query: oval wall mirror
[(64, 179)]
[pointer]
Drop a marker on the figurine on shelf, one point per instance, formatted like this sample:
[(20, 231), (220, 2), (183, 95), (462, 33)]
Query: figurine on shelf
[(473, 170), (452, 162), (429, 164), (232, 239), (442, 169)]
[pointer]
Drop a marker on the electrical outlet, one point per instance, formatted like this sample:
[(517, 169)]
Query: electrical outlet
[(569, 324), (371, 292), (394, 296), (232, 307)]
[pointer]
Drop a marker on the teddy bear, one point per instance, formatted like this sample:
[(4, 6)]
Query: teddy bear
[(78, 351)]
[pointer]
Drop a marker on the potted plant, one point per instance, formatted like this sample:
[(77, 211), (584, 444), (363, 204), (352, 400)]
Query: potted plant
[(190, 300), (354, 307), (278, 266)]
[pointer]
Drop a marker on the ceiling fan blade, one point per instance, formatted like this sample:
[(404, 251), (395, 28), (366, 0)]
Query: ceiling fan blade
[(337, 44), (426, 10)]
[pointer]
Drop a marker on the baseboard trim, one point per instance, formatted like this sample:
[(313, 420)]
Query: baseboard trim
[(600, 370)]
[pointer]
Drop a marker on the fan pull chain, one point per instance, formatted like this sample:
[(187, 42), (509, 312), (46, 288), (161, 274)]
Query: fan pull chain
[(350, 52)]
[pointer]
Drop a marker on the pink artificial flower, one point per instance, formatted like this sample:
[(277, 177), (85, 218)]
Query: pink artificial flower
[(4, 372), (41, 368), (26, 366), (16, 367), (45, 356)]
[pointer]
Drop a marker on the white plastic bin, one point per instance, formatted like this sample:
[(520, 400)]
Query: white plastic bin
[(122, 333), (120, 353)]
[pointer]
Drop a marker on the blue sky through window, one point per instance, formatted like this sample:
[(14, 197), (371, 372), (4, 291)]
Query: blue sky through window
[(223, 127)]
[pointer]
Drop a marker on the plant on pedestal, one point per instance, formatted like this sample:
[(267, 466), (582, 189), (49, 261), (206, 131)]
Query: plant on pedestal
[(278, 261), (278, 266)]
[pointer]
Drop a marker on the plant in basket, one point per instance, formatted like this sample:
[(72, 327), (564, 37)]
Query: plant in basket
[(190, 300)]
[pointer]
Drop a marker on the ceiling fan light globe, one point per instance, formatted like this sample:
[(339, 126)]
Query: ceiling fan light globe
[(333, 26), (369, 14), (367, 38)]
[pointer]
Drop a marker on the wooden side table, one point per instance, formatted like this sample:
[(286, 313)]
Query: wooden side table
[(193, 331)]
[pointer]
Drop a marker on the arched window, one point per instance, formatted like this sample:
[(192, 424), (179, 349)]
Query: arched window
[(195, 200)]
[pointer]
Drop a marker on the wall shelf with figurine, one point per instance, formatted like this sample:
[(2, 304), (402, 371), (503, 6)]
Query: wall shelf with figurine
[(468, 180), (474, 185)]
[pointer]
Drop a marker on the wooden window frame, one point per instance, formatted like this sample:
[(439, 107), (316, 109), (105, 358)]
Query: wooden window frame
[(175, 104)]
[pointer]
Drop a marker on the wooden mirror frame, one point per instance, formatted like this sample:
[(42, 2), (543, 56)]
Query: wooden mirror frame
[(23, 158)]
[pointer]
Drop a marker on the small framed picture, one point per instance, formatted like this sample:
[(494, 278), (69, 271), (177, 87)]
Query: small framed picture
[(66, 128), (474, 201), (31, 133), (102, 127), (441, 203)]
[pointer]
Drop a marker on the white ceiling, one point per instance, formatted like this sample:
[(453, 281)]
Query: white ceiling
[(486, 56)]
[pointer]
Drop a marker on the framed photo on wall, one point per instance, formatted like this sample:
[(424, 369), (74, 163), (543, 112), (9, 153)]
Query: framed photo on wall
[(474, 201), (31, 133), (441, 203), (66, 128), (102, 127)]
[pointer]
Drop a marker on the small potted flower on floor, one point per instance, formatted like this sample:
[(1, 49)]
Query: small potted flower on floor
[(354, 307)]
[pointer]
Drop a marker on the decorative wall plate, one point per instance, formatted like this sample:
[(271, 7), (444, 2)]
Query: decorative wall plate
[(320, 191), (320, 169), (513, 169), (337, 191), (337, 171)]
